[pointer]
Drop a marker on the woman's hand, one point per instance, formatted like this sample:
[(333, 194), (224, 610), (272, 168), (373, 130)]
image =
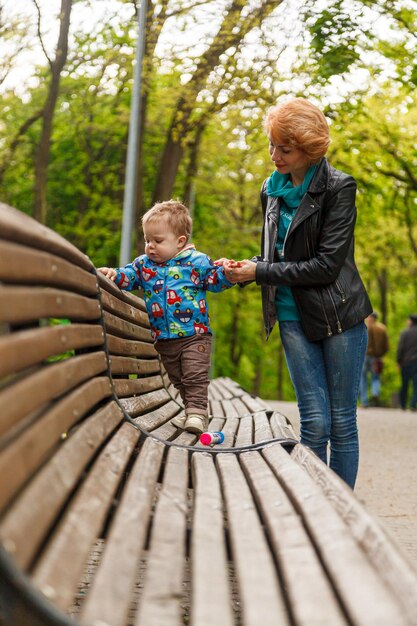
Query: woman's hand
[(110, 272), (240, 271)]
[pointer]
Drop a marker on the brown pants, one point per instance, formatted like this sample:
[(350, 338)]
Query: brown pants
[(187, 362)]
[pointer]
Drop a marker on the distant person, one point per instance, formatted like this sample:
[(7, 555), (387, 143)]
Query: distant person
[(175, 277), (309, 280), (407, 361), (378, 346)]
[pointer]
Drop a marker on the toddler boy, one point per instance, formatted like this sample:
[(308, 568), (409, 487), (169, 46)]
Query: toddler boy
[(174, 277)]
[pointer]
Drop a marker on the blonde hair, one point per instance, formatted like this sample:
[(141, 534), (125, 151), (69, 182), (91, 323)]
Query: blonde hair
[(301, 124), (177, 217)]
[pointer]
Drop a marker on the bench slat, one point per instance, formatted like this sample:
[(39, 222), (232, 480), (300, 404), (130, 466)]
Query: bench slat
[(378, 546), (310, 596), (281, 427), (126, 296), (161, 600), (260, 595), (125, 329), (127, 347), (26, 453), (263, 430), (127, 365), (244, 435), (142, 404), (156, 419), (17, 226), (30, 393), (44, 302), (211, 594), (134, 386), (343, 559), (59, 568), (124, 310), (26, 348), (43, 268), (27, 521), (109, 597)]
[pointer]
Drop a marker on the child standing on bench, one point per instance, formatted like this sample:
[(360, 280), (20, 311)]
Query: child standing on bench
[(174, 277)]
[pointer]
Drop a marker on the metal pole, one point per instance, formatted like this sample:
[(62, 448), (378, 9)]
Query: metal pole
[(129, 199)]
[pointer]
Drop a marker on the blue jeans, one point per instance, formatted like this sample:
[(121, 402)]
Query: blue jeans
[(369, 369), (408, 374), (326, 376)]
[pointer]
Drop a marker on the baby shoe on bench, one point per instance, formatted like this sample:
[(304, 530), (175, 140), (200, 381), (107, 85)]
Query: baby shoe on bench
[(179, 421), (196, 423)]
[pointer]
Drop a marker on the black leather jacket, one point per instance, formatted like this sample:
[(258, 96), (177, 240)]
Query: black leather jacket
[(319, 261)]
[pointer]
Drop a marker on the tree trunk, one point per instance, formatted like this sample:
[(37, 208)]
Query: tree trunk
[(232, 30), (43, 149)]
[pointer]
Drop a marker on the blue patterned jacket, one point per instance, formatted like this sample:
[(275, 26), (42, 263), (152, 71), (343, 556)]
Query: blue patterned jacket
[(175, 291)]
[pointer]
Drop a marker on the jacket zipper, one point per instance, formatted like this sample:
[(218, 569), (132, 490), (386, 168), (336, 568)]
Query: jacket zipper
[(338, 324), (166, 302), (340, 289), (329, 328)]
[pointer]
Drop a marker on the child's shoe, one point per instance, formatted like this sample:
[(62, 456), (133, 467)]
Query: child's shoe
[(179, 421), (196, 424)]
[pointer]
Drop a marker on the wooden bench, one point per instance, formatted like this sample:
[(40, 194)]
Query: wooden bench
[(109, 515)]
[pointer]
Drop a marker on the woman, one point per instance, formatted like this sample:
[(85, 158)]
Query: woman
[(310, 283)]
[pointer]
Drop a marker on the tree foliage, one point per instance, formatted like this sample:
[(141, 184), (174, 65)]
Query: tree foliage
[(203, 103)]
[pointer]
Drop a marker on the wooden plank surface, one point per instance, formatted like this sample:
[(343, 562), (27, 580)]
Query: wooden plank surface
[(60, 566), (22, 398), (26, 348), (281, 427), (33, 267), (28, 451), (126, 296), (311, 598), (125, 310), (263, 430), (26, 523), (244, 435), (163, 585), (345, 562), (16, 226), (386, 558), (211, 593), (155, 419), (126, 387), (25, 304), (144, 403), (127, 347), (129, 365), (110, 595), (122, 328), (261, 598)]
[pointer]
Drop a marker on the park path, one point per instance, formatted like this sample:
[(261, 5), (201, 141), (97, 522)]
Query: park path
[(387, 479)]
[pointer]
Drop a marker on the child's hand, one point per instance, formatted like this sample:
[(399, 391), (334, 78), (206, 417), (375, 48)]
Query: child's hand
[(222, 262), (109, 272)]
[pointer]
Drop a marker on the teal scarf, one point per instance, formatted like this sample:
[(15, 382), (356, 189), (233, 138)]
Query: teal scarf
[(280, 186)]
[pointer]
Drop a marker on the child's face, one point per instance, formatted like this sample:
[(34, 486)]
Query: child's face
[(161, 244)]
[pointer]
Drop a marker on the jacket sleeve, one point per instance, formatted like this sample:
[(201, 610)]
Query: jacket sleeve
[(129, 277), (213, 277), (336, 237), (400, 348)]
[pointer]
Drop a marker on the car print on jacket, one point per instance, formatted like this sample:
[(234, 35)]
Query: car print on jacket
[(171, 288)]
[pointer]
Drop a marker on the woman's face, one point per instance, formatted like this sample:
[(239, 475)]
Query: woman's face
[(289, 160)]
